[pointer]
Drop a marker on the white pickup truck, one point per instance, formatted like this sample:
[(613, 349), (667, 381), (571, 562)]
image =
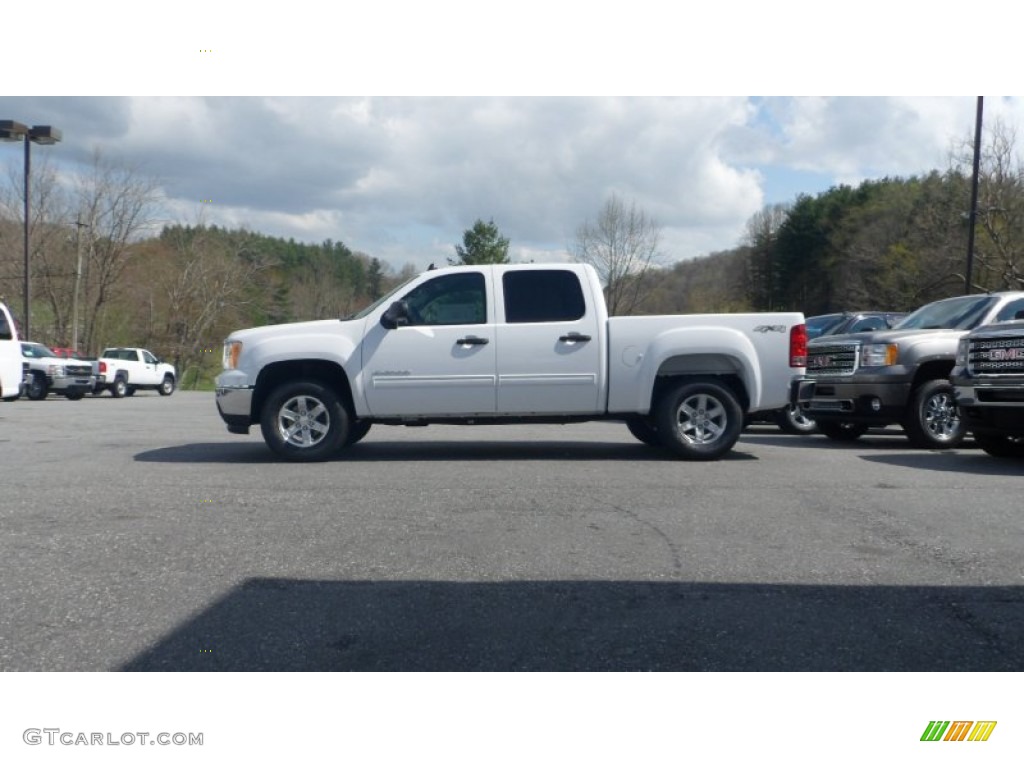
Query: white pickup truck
[(11, 364), (122, 370), (508, 344)]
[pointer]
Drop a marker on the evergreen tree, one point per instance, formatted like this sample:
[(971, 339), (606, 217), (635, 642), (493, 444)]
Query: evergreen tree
[(482, 244)]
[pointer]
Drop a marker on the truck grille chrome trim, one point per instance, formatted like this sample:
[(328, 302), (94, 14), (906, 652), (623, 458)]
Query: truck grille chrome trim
[(832, 359), (998, 355)]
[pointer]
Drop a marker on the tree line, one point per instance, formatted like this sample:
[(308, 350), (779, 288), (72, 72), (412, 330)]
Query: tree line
[(107, 272)]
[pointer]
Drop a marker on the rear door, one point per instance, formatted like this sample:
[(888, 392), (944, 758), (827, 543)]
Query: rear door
[(550, 353)]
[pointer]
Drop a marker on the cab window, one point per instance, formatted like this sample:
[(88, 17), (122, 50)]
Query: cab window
[(1009, 312), (459, 299), (542, 296)]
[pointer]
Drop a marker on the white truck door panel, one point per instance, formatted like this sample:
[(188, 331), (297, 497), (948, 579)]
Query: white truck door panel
[(443, 362), (549, 347)]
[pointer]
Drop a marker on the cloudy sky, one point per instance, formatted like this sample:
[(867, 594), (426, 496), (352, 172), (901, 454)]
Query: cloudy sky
[(400, 177)]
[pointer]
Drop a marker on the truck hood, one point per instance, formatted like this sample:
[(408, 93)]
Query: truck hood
[(1009, 328), (903, 337), (335, 340)]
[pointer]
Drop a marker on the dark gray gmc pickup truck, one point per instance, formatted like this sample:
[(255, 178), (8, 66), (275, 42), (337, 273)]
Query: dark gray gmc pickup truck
[(898, 376)]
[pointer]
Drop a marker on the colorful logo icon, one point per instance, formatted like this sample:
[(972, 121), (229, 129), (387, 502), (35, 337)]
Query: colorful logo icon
[(959, 730)]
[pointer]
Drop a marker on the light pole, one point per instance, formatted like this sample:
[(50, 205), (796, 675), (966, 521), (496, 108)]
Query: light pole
[(78, 279), (11, 130)]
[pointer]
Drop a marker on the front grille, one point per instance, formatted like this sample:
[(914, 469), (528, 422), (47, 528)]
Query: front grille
[(996, 356), (78, 370), (832, 359)]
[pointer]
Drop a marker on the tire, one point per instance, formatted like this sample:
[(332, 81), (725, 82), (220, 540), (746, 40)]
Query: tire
[(357, 431), (304, 421), (167, 385), (37, 389), (129, 391), (793, 422), (699, 420), (1001, 446), (75, 395), (12, 398), (933, 420), (841, 431), (119, 388), (643, 430)]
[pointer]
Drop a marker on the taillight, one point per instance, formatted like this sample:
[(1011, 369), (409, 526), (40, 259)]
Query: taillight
[(798, 346), (103, 367)]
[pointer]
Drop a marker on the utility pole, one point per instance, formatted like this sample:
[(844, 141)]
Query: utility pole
[(78, 281), (973, 215)]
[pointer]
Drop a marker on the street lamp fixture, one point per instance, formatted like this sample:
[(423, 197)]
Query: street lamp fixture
[(12, 130)]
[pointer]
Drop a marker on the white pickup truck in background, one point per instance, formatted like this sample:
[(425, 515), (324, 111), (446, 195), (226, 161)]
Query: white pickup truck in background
[(123, 370), (508, 344), (11, 365)]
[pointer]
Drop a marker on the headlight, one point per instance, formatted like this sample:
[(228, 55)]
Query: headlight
[(961, 353), (232, 351), (55, 370), (872, 355)]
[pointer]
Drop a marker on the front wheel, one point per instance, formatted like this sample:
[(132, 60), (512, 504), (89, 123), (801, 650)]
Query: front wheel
[(792, 421), (841, 431), (37, 388), (304, 421), (1001, 446), (167, 385), (700, 420), (933, 420)]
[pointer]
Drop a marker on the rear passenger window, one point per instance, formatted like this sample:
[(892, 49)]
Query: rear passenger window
[(542, 296)]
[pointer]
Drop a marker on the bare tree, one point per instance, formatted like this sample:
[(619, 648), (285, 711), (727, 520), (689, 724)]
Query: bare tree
[(118, 203), (622, 245)]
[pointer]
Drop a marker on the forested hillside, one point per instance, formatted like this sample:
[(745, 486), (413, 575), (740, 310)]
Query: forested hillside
[(893, 243)]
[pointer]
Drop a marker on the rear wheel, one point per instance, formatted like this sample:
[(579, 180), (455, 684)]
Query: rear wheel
[(792, 421), (643, 429), (933, 420), (841, 431), (304, 421), (75, 395), (1002, 446), (698, 420), (119, 388)]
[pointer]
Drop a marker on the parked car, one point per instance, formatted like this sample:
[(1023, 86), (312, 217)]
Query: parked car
[(898, 376), (851, 322), (123, 370), (791, 419), (988, 384), (67, 353), (48, 373), (11, 364), (507, 344)]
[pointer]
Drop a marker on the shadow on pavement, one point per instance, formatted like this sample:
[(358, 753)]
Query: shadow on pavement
[(284, 624), (421, 450)]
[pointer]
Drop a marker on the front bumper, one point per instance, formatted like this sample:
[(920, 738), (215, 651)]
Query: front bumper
[(864, 399), (995, 407), (72, 385), (234, 402)]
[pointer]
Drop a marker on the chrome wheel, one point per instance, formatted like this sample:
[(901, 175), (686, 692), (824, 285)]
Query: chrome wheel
[(940, 417), (303, 421), (698, 420), (701, 419)]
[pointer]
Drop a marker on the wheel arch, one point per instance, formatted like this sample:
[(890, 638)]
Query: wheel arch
[(327, 372)]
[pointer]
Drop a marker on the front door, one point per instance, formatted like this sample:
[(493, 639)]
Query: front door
[(441, 362)]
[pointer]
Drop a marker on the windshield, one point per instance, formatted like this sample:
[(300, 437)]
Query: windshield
[(822, 325), (36, 350), (387, 296), (962, 313)]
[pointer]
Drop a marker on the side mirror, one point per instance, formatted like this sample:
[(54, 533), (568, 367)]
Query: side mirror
[(395, 315)]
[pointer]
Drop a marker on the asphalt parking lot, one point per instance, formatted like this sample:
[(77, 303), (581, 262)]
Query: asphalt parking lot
[(137, 534)]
